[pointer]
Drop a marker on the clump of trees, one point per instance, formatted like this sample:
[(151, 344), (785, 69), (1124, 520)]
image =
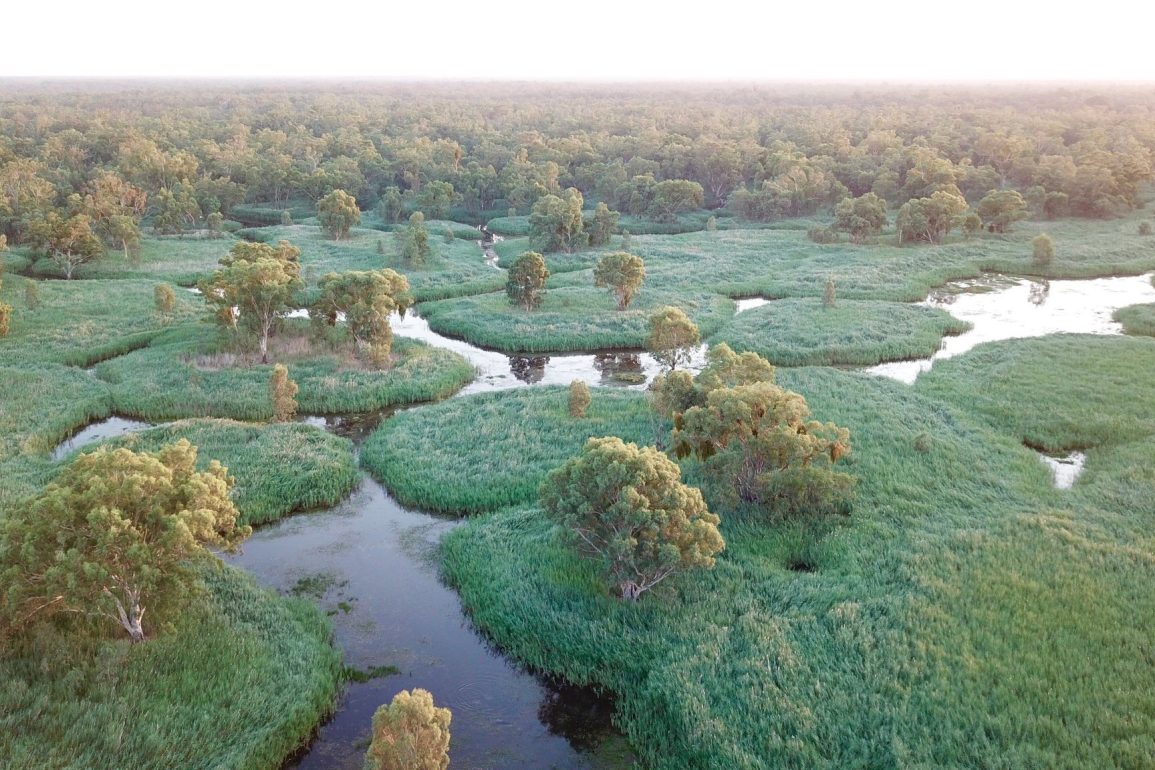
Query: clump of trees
[(525, 280), (860, 217), (756, 439), (415, 248), (94, 546), (622, 273), (254, 289), (366, 299), (603, 226), (556, 223), (627, 508), (282, 394), (338, 213), (411, 733), (930, 219), (673, 337), (1000, 209)]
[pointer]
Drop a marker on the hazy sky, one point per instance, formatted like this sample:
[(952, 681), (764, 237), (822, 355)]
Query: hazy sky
[(588, 40)]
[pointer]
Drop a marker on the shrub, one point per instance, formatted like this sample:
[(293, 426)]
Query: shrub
[(164, 298), (410, 734), (1044, 249), (579, 398), (283, 393)]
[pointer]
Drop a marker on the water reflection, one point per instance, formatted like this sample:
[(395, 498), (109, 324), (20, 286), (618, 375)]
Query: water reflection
[(376, 563), (528, 369), (97, 431), (1001, 307)]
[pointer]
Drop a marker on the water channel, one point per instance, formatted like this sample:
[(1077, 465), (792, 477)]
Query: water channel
[(372, 564)]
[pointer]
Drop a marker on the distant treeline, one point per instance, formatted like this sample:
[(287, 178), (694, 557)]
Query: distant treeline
[(169, 155)]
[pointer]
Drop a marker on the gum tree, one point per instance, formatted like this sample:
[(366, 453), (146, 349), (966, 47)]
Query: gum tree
[(525, 282), (622, 273), (627, 508), (338, 213), (115, 536)]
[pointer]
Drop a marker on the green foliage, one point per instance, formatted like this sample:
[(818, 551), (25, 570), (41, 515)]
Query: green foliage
[(409, 734), (929, 219), (603, 226), (1043, 250), (113, 536), (415, 248), (525, 284), (366, 299), (806, 332), (5, 318), (829, 297), (860, 217), (671, 197), (487, 451), (750, 435), (581, 318), (622, 273), (69, 243), (556, 223), (283, 394), (1000, 209), (579, 398), (627, 508), (32, 295), (972, 224), (257, 282), (338, 213), (435, 199), (673, 337)]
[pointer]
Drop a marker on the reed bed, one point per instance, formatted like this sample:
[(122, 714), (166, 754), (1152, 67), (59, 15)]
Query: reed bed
[(802, 332)]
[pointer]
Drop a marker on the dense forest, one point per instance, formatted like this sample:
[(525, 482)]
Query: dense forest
[(168, 159)]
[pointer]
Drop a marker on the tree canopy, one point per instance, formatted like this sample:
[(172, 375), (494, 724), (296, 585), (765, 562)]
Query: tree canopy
[(410, 734), (366, 299), (338, 213), (525, 281), (673, 337), (114, 536), (627, 508), (622, 273)]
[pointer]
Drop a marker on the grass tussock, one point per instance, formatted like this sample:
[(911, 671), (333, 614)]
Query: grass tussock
[(484, 452), (1137, 319), (802, 332)]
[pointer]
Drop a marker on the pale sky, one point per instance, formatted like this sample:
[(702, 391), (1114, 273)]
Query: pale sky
[(895, 40)]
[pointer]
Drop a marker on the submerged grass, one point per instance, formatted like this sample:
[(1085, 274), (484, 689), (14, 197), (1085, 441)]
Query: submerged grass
[(966, 615), (487, 451), (580, 318), (167, 381), (802, 332), (279, 468), (240, 682)]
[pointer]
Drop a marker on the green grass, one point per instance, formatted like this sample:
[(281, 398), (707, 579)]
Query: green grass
[(82, 322), (577, 318), (281, 468), (42, 404), (1137, 319), (785, 263), (455, 269), (186, 373), (1059, 392), (802, 332), (966, 615), (240, 683), (181, 260), (480, 453)]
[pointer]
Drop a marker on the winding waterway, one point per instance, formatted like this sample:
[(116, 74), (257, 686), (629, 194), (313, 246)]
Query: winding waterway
[(372, 563)]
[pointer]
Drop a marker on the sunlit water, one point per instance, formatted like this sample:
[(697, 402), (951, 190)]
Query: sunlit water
[(1065, 469), (97, 431), (1002, 308)]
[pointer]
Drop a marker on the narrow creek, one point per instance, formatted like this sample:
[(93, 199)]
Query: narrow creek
[(372, 564)]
